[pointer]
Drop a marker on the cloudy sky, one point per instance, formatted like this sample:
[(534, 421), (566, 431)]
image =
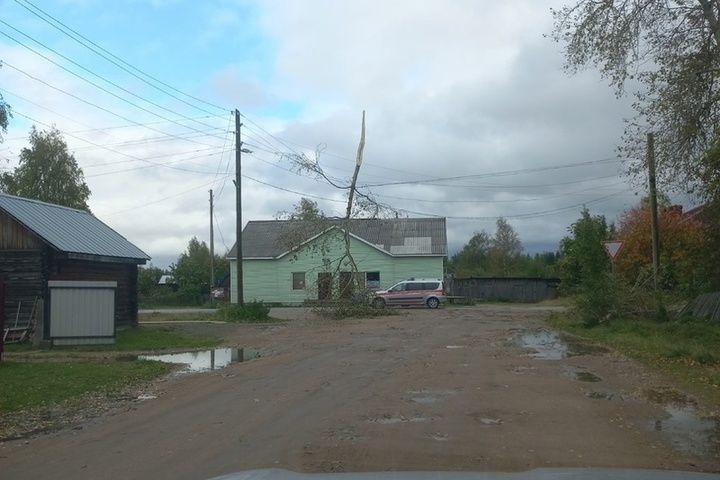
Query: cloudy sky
[(470, 115)]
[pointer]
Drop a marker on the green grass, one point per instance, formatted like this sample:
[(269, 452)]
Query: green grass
[(686, 350), (27, 385), (140, 338)]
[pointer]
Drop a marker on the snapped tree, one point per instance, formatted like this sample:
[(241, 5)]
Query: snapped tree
[(48, 172)]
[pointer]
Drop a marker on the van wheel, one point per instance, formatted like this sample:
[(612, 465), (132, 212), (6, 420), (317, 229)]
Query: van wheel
[(379, 302), (433, 302)]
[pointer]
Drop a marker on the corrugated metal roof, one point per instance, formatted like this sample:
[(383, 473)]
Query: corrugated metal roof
[(69, 230), (397, 236)]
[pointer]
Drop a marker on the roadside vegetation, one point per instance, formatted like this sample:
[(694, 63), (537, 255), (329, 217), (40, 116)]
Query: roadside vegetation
[(687, 350), (31, 384), (628, 309), (50, 376)]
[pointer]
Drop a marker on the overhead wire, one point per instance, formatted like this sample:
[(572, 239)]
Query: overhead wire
[(15, 112), (119, 97), (115, 114), (55, 22)]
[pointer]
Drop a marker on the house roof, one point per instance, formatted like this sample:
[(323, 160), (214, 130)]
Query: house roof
[(69, 230), (395, 236)]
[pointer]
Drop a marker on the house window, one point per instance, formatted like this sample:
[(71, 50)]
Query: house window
[(298, 280), (372, 279)]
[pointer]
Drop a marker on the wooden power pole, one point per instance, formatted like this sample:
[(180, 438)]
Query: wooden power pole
[(212, 250), (238, 211), (654, 226)]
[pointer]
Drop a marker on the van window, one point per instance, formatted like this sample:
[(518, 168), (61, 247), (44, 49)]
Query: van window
[(415, 286), (398, 288), (431, 286)]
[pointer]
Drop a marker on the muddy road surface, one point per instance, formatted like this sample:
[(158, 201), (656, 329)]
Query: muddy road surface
[(475, 389)]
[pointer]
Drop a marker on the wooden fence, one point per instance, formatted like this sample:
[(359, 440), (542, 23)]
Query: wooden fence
[(514, 289), (706, 305)]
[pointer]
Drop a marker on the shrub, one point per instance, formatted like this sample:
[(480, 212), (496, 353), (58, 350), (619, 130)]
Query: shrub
[(251, 312)]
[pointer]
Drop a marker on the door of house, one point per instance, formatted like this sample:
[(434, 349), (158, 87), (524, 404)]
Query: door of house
[(324, 283)]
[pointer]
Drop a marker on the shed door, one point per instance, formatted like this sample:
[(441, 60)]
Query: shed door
[(82, 312)]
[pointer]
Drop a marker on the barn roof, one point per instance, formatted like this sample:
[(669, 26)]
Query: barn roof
[(395, 236), (69, 230)]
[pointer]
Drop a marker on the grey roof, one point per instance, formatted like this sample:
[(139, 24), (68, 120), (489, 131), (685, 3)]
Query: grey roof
[(396, 236), (69, 230)]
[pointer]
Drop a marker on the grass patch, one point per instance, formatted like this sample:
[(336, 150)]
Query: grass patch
[(27, 385), (251, 312), (135, 339), (686, 350), (177, 316)]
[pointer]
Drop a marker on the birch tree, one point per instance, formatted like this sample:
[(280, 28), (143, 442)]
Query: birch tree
[(668, 51)]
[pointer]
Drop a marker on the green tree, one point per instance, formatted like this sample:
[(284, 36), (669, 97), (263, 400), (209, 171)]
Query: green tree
[(585, 268), (473, 259), (505, 250), (4, 117), (307, 210), (47, 172), (192, 270), (582, 256), (148, 277), (672, 51)]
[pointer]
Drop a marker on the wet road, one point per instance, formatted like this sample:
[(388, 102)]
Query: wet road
[(474, 389)]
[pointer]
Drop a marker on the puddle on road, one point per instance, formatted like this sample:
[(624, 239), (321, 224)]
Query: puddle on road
[(688, 432), (390, 419), (552, 346), (207, 359), (427, 397), (580, 374), (547, 345)]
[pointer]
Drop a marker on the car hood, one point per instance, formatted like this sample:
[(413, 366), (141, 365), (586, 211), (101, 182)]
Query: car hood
[(537, 474)]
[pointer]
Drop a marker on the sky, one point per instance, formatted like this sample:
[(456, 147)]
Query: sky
[(469, 113)]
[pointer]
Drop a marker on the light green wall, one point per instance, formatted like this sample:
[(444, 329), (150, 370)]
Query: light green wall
[(271, 280)]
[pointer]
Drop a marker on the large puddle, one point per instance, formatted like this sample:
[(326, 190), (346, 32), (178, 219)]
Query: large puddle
[(207, 359), (552, 346), (547, 345), (689, 432)]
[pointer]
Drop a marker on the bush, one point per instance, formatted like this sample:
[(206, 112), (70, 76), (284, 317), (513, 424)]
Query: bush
[(251, 312)]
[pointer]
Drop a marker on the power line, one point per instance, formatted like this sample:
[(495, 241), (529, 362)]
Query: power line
[(111, 150), (501, 174), (90, 129), (122, 99), (158, 201), (567, 194), (94, 105), (522, 215), (58, 22)]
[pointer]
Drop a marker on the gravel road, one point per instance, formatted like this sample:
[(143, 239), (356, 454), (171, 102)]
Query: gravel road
[(446, 389)]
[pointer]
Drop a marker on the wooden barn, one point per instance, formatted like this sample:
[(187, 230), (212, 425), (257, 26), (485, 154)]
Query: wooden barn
[(66, 271)]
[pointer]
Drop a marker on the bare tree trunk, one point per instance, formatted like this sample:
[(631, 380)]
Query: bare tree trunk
[(712, 19), (348, 213)]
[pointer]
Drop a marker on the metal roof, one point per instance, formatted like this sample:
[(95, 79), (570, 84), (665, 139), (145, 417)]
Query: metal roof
[(69, 230), (395, 236)]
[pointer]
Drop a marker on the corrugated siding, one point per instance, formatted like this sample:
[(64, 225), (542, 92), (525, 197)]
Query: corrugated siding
[(124, 275), (69, 230), (82, 310), (271, 280)]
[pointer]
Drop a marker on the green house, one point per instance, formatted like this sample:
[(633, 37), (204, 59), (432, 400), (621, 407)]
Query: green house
[(292, 261)]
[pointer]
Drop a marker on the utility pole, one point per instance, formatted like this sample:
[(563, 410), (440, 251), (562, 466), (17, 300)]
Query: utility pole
[(238, 211), (212, 250), (654, 226)]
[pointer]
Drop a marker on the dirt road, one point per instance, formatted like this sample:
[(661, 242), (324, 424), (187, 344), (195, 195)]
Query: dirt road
[(451, 389)]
